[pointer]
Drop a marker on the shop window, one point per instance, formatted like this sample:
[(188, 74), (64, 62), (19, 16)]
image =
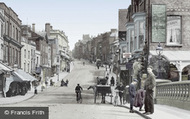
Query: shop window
[(141, 33), (24, 53)]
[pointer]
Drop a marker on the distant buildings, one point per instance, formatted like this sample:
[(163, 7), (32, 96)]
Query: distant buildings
[(142, 26), (60, 51), (96, 48)]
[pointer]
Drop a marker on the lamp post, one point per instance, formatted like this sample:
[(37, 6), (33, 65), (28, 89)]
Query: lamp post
[(58, 65), (118, 64), (100, 51), (159, 51)]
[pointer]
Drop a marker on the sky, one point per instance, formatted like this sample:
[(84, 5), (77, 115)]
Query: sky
[(74, 17)]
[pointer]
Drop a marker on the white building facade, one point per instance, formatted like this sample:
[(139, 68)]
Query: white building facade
[(62, 44), (28, 55)]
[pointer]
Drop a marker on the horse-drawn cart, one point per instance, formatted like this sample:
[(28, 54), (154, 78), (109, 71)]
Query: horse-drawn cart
[(103, 90)]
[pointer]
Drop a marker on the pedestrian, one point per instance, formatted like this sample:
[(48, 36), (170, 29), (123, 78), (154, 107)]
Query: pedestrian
[(139, 99), (62, 82), (116, 99), (121, 89), (140, 95), (112, 81), (46, 82), (98, 66), (132, 94), (67, 82), (127, 93), (149, 84), (35, 90), (98, 80), (51, 83)]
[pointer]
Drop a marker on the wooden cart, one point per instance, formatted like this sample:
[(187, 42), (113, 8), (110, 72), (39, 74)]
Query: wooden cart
[(103, 90)]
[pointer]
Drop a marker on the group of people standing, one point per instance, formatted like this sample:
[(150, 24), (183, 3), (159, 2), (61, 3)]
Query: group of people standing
[(143, 95)]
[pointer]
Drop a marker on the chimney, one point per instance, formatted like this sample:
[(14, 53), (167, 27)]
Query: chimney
[(113, 30), (47, 28), (33, 27)]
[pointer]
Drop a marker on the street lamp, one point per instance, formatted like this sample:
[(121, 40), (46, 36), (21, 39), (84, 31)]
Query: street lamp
[(159, 51), (100, 52), (118, 64), (58, 64)]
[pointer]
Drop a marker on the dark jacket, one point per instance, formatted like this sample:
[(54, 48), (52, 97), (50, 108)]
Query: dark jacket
[(132, 90), (78, 89), (150, 83)]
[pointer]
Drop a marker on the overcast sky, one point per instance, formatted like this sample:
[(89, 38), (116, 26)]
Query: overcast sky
[(74, 17)]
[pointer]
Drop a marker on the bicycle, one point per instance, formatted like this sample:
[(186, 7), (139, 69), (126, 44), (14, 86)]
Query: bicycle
[(79, 97)]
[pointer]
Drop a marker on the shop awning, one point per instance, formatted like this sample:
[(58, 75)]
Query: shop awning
[(11, 79), (4, 67), (179, 58), (174, 56), (24, 76), (64, 55)]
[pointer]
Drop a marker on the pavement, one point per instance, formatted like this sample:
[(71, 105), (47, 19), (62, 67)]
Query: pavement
[(160, 111), (30, 94)]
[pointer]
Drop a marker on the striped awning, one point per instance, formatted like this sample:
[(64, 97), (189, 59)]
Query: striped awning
[(23, 75)]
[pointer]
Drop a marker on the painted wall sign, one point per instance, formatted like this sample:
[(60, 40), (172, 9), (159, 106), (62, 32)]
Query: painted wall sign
[(158, 23)]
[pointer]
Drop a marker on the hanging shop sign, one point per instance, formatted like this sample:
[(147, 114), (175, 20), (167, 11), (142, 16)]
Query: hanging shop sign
[(158, 23), (126, 55)]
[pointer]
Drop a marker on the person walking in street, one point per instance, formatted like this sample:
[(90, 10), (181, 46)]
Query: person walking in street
[(98, 65), (112, 81), (132, 94), (121, 89), (62, 82), (78, 90), (149, 84), (67, 82)]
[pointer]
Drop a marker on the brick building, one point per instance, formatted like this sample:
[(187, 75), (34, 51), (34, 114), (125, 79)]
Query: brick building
[(150, 22), (12, 37)]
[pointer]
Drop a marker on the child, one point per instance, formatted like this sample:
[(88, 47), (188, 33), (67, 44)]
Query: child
[(116, 99)]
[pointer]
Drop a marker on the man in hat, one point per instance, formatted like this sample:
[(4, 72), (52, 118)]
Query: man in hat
[(149, 84), (132, 93), (121, 89)]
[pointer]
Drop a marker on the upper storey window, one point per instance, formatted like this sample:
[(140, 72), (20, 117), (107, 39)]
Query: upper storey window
[(174, 30)]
